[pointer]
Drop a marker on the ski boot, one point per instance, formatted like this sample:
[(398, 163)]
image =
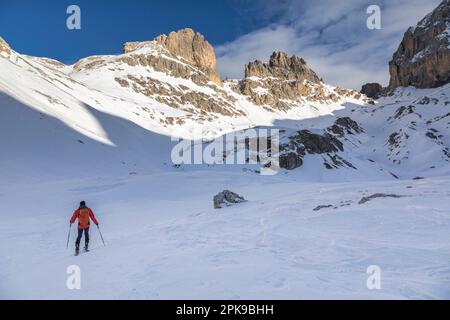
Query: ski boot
[(86, 246), (77, 248)]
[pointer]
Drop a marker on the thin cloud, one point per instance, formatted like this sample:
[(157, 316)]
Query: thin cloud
[(332, 37)]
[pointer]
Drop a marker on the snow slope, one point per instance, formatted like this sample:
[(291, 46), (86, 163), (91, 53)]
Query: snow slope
[(164, 240), (405, 135)]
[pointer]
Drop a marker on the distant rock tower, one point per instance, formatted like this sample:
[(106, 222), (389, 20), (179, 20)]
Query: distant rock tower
[(423, 58)]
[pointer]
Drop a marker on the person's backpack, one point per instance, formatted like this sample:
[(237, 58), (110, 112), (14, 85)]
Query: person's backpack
[(83, 218)]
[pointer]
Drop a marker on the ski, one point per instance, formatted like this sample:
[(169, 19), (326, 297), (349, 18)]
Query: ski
[(78, 252)]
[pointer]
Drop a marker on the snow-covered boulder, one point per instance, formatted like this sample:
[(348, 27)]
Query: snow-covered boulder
[(226, 198)]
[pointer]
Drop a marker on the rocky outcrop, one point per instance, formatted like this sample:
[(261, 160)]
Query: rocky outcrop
[(192, 47), (316, 143), (188, 45), (345, 125), (182, 98), (5, 49), (378, 195), (327, 143), (136, 45), (290, 161), (226, 198), (372, 90), (283, 67), (284, 82), (423, 57), (305, 142)]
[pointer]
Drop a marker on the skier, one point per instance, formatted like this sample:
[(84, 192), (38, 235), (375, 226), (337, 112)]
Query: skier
[(84, 215)]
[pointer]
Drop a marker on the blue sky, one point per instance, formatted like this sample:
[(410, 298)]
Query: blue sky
[(39, 27), (331, 35)]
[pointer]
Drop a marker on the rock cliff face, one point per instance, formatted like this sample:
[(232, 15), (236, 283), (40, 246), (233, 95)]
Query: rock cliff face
[(193, 47), (282, 82), (189, 45), (283, 67), (423, 57), (4, 48), (327, 143)]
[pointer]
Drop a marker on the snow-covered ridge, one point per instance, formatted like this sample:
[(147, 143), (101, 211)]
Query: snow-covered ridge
[(147, 86), (402, 136)]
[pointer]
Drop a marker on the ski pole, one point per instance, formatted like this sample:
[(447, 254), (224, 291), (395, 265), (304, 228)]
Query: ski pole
[(98, 228), (68, 237)]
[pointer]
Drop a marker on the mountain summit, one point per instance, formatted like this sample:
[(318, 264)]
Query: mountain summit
[(423, 57), (284, 81), (188, 45)]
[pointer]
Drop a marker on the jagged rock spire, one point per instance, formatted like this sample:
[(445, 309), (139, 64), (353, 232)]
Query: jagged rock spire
[(282, 66)]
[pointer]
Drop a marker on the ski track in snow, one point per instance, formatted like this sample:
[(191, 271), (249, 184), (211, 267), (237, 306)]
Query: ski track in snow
[(272, 247)]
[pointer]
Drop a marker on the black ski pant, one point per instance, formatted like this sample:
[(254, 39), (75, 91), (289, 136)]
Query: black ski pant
[(80, 234)]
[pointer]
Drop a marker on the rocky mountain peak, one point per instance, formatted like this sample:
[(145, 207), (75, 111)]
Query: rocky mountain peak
[(193, 47), (5, 49), (283, 82), (423, 57), (282, 66), (190, 46)]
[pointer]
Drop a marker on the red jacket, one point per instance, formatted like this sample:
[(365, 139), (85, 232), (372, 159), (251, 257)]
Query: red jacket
[(83, 215)]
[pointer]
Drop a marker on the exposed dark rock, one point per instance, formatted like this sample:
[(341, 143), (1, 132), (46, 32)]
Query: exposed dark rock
[(426, 100), (337, 162), (305, 142), (431, 135), (290, 161), (378, 195), (226, 198), (372, 90), (345, 125), (318, 144), (402, 111), (322, 207), (394, 139)]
